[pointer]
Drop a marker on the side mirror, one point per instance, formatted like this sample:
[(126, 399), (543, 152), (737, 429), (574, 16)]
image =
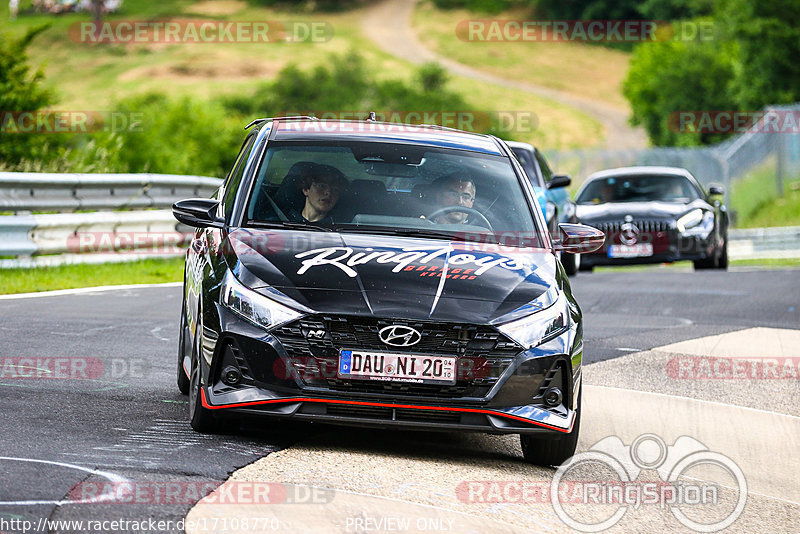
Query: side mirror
[(715, 190), (198, 212), (579, 238), (559, 180)]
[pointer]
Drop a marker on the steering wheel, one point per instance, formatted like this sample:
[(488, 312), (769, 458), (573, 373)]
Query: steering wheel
[(464, 209)]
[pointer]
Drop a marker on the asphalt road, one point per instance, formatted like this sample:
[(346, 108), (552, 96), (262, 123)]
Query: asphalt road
[(108, 410)]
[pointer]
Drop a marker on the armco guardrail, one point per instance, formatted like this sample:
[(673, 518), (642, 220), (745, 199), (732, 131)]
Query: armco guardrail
[(21, 191), (87, 237), (120, 235), (763, 243)]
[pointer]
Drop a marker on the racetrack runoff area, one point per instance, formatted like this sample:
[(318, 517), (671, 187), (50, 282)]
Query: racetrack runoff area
[(366, 481)]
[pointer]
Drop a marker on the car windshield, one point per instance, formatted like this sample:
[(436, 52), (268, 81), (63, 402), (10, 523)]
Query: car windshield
[(638, 188), (392, 188)]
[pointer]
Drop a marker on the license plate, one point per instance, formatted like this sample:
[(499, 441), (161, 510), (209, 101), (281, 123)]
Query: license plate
[(392, 367), (630, 251)]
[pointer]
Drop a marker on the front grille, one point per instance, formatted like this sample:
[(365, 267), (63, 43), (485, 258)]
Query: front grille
[(313, 343), (646, 225)]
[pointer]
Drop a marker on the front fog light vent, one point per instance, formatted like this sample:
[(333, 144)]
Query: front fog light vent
[(553, 397)]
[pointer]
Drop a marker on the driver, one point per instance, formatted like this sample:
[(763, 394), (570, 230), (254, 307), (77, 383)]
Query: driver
[(454, 189), (321, 188)]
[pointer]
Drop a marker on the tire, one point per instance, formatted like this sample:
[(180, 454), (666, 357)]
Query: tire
[(571, 263), (585, 268), (201, 419), (183, 380), (723, 256), (546, 452), (702, 265)]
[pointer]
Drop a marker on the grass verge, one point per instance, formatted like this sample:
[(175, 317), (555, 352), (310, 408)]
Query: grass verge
[(90, 76), (592, 72), (84, 275)]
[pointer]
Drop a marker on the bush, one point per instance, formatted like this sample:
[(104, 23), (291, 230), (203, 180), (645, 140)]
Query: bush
[(21, 91), (181, 136)]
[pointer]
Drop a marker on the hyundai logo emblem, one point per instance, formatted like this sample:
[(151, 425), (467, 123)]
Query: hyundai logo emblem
[(399, 336)]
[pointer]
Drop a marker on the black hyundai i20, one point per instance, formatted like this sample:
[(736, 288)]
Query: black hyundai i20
[(386, 275)]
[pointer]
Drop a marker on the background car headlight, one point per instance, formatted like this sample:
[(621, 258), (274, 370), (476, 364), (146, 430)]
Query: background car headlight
[(255, 308), (543, 325), (696, 223)]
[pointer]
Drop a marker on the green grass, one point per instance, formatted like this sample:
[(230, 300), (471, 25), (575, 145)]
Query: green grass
[(767, 263), (592, 72), (105, 274), (752, 192), (775, 211), (772, 263)]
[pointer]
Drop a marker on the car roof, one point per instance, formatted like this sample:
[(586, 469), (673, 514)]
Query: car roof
[(375, 131), (649, 169), (519, 144)]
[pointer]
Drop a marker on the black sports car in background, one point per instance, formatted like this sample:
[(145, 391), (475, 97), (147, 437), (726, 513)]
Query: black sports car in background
[(377, 274), (654, 215)]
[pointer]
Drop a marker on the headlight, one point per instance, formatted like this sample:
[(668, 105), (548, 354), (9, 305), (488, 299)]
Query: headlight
[(551, 320), (550, 211), (255, 308), (696, 223)]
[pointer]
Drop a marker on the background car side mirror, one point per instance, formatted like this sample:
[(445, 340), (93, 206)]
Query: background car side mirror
[(715, 190), (559, 180), (579, 238), (198, 212)]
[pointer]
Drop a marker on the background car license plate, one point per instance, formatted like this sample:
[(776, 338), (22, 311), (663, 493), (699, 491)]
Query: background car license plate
[(385, 366), (630, 251)]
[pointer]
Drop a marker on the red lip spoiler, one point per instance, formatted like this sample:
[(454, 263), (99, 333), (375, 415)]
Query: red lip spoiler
[(383, 405)]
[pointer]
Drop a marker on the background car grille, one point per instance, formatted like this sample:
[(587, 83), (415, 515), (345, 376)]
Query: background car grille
[(613, 227), (313, 344)]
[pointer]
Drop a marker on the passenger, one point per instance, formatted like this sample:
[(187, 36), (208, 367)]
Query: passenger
[(454, 189), (322, 188)]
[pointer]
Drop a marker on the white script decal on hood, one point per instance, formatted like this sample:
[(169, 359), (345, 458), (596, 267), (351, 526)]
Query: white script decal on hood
[(345, 259)]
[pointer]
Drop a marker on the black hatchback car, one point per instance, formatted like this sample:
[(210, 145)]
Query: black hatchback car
[(654, 215), (386, 275)]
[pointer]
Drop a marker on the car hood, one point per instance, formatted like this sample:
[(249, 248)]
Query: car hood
[(637, 210), (359, 274)]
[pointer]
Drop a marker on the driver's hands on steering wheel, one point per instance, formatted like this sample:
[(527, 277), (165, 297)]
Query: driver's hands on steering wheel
[(481, 219)]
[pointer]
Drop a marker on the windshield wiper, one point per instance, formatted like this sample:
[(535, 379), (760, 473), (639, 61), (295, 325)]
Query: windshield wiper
[(289, 225)]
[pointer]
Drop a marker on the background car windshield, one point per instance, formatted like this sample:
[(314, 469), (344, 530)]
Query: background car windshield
[(389, 186), (638, 188)]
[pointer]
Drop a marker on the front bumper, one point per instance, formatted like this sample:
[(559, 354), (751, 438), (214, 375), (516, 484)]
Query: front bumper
[(669, 246), (511, 420), (504, 397)]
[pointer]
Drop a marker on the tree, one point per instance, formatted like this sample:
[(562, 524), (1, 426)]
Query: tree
[(768, 42), (666, 78), (21, 91)]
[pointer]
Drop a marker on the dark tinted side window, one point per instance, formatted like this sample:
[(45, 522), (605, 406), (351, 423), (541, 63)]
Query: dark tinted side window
[(526, 160), (235, 177), (544, 167)]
